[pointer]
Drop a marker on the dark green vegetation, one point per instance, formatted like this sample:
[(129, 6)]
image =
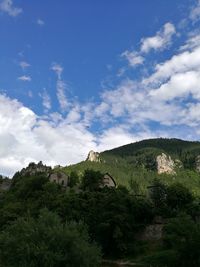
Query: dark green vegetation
[(137, 162), (76, 224), (46, 241), (44, 224)]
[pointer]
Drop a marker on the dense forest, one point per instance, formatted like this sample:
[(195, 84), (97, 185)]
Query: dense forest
[(45, 224)]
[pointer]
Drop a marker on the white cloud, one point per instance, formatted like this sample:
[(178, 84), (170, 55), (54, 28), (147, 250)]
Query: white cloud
[(24, 64), (179, 85), (46, 100), (62, 99), (40, 22), (183, 62), (195, 12), (191, 43), (133, 58), (169, 97), (7, 7), (60, 87), (25, 78), (25, 137), (58, 69), (74, 114), (161, 40), (30, 93)]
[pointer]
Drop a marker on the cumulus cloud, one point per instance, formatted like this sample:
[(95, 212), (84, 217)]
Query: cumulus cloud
[(133, 58), (25, 137), (180, 63), (161, 40), (25, 78), (54, 139), (169, 97), (8, 7), (179, 85)]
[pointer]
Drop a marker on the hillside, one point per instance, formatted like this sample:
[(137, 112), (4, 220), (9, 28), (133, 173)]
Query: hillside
[(137, 162)]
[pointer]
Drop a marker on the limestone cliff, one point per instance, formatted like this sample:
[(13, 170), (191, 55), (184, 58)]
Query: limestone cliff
[(165, 164), (93, 156), (34, 168)]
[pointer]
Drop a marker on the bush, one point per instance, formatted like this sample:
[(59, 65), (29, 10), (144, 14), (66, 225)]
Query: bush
[(46, 242)]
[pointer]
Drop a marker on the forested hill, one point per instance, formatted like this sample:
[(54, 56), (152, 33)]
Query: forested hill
[(138, 162), (174, 147)]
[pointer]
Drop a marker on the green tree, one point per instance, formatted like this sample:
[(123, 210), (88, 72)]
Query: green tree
[(157, 192), (181, 245), (182, 235), (134, 187), (92, 180), (73, 179), (46, 242), (178, 196)]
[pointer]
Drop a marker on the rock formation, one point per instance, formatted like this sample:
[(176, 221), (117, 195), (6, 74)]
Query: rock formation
[(165, 164), (93, 156), (34, 168)]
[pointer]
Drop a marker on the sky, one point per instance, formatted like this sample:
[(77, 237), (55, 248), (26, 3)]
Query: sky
[(89, 75)]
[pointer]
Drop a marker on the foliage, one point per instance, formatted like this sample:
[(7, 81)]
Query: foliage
[(91, 180), (73, 179), (47, 242), (114, 217), (181, 245), (178, 197)]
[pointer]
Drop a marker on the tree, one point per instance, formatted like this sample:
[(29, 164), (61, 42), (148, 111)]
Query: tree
[(181, 245), (182, 235), (134, 187), (73, 179), (158, 194), (46, 242), (178, 196), (91, 180)]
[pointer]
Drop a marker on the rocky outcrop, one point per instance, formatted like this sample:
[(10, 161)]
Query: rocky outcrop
[(34, 168), (165, 164), (197, 163), (93, 156), (154, 231)]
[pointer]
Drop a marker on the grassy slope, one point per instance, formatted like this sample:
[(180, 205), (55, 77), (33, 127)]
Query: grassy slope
[(137, 161)]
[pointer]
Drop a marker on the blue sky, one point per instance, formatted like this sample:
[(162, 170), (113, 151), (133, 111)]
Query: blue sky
[(81, 75)]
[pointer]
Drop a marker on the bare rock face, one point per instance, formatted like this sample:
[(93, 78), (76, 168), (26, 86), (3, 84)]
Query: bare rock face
[(93, 156), (153, 232), (165, 164), (34, 168), (197, 163)]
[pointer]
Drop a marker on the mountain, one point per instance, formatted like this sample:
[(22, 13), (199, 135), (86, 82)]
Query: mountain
[(172, 160)]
